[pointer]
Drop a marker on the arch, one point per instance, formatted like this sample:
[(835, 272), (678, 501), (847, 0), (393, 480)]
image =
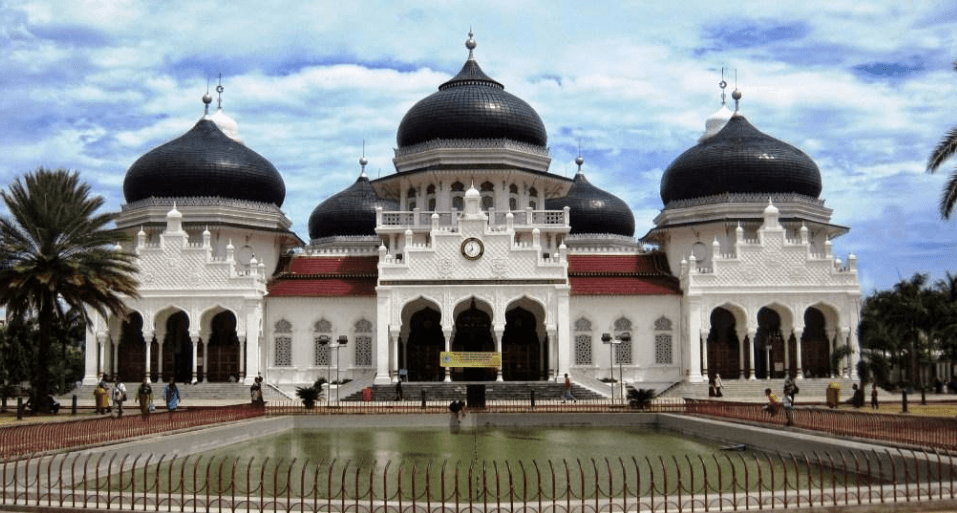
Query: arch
[(769, 344), (131, 353), (421, 340), (524, 341), (221, 349), (815, 344), (724, 347), (177, 348), (473, 333)]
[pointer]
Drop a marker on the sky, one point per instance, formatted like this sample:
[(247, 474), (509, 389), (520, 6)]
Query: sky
[(867, 89)]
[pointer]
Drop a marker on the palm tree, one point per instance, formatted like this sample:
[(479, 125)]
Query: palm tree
[(56, 251), (946, 149)]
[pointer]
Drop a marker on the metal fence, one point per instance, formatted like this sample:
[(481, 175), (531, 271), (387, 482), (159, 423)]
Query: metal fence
[(664, 405), (716, 482), (932, 432), (17, 440)]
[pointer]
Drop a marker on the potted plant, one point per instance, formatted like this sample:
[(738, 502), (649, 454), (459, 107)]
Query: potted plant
[(308, 395), (640, 398)]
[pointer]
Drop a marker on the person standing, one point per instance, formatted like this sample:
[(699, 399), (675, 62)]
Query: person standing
[(119, 396), (101, 398), (171, 395), (568, 390), (398, 390), (790, 388), (145, 397), (874, 404), (718, 385)]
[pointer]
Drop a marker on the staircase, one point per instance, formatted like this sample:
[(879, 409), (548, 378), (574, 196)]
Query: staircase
[(811, 390), (200, 393), (494, 391)]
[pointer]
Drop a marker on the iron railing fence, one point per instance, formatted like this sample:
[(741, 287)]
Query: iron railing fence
[(18, 440), (720, 481), (921, 431), (664, 405)]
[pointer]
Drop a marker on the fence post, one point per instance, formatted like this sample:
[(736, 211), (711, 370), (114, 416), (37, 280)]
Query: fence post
[(19, 408), (923, 395), (903, 400), (422, 392), (73, 406), (532, 394)]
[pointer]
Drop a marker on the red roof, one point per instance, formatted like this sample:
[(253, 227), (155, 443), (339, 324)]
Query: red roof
[(621, 275), (310, 276), (323, 287)]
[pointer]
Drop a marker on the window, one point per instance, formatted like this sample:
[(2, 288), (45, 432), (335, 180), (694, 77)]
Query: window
[(623, 349), (363, 356), (321, 352), (664, 348), (283, 351), (583, 342)]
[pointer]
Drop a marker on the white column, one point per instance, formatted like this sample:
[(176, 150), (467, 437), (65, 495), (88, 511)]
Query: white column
[(853, 343), (194, 338), (703, 340), (831, 338), (254, 314), (845, 334), (242, 357), (552, 353), (114, 356), (742, 334), (383, 339), (148, 340), (798, 335), (563, 340), (694, 345), (752, 334), (91, 365), (447, 333), (498, 333)]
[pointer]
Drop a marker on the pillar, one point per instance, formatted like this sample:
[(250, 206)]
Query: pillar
[(552, 353), (752, 335), (694, 347), (91, 366), (242, 357), (798, 337), (703, 341), (194, 338), (846, 367), (148, 340), (742, 341), (499, 331), (385, 336), (447, 334)]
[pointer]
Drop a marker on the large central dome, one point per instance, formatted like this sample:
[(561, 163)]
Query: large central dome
[(471, 106)]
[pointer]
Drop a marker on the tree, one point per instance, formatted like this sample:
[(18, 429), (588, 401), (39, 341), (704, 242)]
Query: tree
[(56, 251), (945, 149)]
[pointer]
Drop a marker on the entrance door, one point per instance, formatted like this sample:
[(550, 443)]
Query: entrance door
[(473, 333), (422, 351), (723, 346), (131, 354), (177, 349), (521, 349), (222, 351)]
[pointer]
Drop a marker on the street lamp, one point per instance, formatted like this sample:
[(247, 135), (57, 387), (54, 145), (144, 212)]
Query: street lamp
[(340, 342), (606, 338), (324, 341)]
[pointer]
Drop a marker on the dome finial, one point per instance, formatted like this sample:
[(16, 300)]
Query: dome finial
[(363, 160), (470, 43), (579, 159), (722, 85), (207, 99), (219, 90), (736, 95)]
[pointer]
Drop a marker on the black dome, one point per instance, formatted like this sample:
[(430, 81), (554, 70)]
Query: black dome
[(471, 106), (349, 212), (204, 162), (594, 210), (740, 159)]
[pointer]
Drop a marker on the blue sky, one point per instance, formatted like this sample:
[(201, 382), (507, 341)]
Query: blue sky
[(865, 88)]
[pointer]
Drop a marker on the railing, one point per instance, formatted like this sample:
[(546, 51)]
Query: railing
[(721, 481), (37, 438), (413, 406), (937, 432)]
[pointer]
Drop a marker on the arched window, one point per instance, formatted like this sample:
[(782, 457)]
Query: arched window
[(623, 350), (583, 342), (664, 347), (320, 340), (282, 346), (363, 345), (458, 193)]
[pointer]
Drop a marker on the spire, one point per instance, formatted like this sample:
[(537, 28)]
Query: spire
[(363, 160), (470, 44)]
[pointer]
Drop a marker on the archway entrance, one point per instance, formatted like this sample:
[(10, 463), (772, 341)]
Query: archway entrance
[(769, 345), (131, 353), (522, 351), (221, 360), (177, 349), (815, 349), (723, 345), (473, 333), (422, 350)]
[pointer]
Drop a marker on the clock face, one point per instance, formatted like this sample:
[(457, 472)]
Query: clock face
[(472, 248)]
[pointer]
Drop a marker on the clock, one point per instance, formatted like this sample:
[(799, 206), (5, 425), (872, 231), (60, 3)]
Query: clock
[(472, 248)]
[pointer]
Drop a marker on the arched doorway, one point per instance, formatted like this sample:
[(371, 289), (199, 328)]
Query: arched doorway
[(424, 347), (131, 353), (522, 352), (815, 348), (221, 360), (769, 345), (177, 349), (723, 345), (473, 333)]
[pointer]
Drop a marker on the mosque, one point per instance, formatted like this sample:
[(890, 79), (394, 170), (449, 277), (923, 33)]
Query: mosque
[(473, 251)]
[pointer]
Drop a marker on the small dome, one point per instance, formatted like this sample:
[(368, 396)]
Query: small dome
[(227, 124), (594, 210), (740, 159), (349, 212), (204, 162), (471, 106)]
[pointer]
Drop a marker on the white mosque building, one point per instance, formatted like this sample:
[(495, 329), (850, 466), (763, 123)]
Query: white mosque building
[(473, 246)]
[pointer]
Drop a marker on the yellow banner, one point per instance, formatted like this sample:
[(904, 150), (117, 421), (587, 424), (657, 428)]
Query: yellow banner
[(460, 359)]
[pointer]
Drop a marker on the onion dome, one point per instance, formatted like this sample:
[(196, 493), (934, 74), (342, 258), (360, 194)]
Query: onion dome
[(593, 210), (204, 162), (471, 106), (740, 159), (350, 212)]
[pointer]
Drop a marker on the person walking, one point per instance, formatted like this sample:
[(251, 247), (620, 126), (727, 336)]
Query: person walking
[(144, 395), (718, 385), (171, 396), (119, 396), (568, 390)]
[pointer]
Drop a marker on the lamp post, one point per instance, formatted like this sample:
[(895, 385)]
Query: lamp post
[(606, 338), (324, 341), (340, 342)]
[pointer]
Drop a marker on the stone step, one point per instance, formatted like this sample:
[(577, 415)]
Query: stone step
[(494, 390), (236, 392)]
